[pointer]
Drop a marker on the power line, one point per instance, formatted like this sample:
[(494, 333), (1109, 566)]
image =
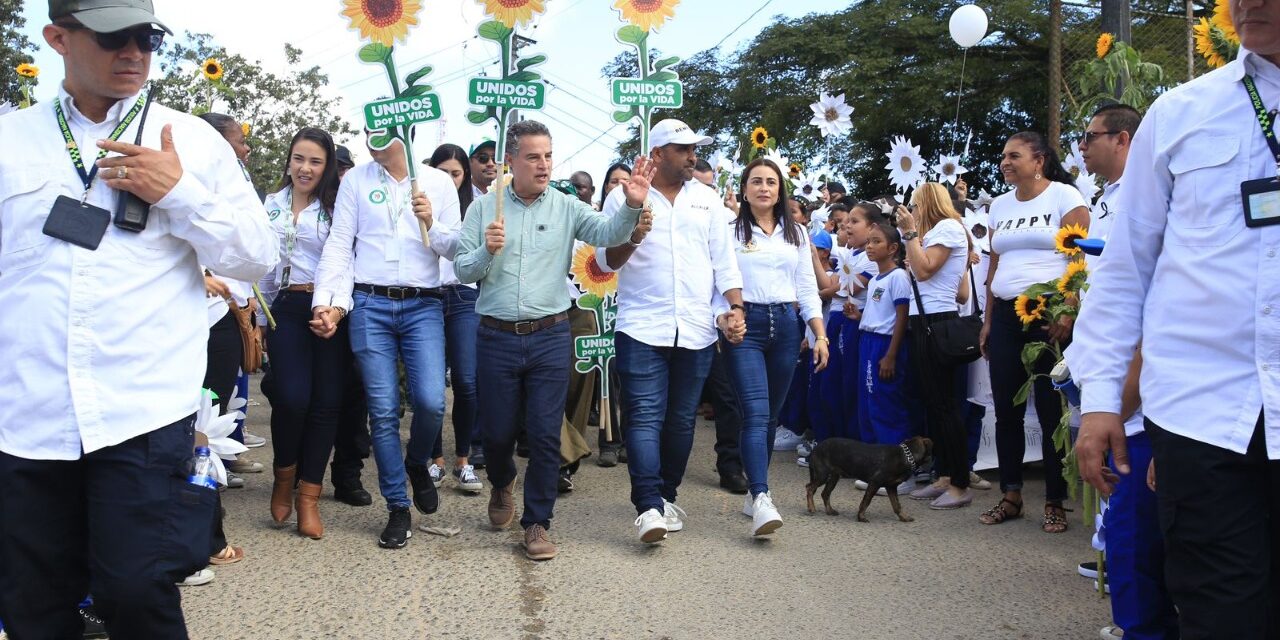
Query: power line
[(744, 22), (591, 142)]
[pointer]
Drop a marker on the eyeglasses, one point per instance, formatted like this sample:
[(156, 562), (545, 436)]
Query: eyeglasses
[(1090, 136), (482, 158), (148, 39)]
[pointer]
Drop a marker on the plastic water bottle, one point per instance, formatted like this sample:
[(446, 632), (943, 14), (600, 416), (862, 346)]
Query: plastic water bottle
[(202, 469)]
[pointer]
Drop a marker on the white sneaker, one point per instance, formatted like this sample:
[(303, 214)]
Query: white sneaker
[(978, 482), (234, 481), (786, 440), (1111, 632), (803, 461), (252, 441), (860, 485), (674, 516), (467, 480), (765, 519), (437, 474), (651, 526), (203, 576)]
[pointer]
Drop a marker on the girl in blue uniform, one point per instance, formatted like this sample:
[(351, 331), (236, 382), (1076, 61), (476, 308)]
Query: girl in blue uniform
[(882, 356)]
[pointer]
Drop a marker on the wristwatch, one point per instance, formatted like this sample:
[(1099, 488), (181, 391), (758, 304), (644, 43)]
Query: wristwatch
[(910, 235)]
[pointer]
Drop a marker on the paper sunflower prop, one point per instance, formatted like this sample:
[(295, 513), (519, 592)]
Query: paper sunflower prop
[(646, 14), (759, 138), (212, 70), (949, 169), (1073, 278), (831, 115), (1065, 241), (1029, 309), (906, 167), (218, 428), (382, 21), (588, 275), (1104, 45), (28, 70), (510, 12)]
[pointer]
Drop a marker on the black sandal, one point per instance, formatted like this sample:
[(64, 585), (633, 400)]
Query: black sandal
[(1055, 518), (998, 514)]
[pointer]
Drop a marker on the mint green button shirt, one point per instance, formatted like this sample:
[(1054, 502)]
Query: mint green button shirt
[(526, 280)]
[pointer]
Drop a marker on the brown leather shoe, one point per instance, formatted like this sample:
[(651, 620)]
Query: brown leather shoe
[(308, 506), (537, 546), (502, 506), (282, 493)]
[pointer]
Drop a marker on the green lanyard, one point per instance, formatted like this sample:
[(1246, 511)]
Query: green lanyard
[(74, 149), (1265, 119)]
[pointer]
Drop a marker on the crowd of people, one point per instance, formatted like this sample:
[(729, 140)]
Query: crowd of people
[(788, 317)]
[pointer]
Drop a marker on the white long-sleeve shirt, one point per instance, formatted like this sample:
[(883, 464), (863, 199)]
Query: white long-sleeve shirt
[(1183, 274), (666, 288), (309, 235), (385, 254), (774, 270), (110, 344)]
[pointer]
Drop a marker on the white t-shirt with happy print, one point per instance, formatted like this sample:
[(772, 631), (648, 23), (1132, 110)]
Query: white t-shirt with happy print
[(1023, 235)]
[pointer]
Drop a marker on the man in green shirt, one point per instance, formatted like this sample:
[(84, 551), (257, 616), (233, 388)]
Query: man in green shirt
[(524, 335)]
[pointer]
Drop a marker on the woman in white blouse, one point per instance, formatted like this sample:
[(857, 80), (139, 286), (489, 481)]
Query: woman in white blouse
[(1024, 226), (308, 372), (776, 260)]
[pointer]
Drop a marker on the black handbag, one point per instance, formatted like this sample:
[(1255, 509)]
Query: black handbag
[(956, 340)]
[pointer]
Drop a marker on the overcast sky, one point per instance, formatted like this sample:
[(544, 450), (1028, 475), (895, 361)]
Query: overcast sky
[(576, 35)]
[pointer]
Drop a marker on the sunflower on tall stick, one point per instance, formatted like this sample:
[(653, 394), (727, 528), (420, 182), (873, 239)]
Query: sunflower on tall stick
[(27, 74)]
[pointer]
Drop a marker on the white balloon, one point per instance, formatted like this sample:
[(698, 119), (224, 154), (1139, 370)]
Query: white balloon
[(968, 25)]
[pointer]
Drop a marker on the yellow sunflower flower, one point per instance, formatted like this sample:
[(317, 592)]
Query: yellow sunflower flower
[(1028, 309), (28, 70), (1065, 241), (794, 169), (1204, 44), (244, 126), (1104, 44), (647, 14), (1073, 278), (588, 275), (511, 12), (759, 137), (212, 70), (1222, 20), (382, 21)]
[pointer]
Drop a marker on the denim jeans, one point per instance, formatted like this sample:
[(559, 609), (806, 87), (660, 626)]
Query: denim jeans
[(663, 385), (524, 376), (383, 330), (460, 322), (762, 366)]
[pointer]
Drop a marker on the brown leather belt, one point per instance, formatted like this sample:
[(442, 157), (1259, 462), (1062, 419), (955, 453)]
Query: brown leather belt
[(524, 327), (301, 288)]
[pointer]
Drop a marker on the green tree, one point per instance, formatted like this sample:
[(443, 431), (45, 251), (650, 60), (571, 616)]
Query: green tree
[(274, 106), (14, 48)]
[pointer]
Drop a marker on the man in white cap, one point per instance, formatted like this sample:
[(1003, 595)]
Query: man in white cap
[(666, 330)]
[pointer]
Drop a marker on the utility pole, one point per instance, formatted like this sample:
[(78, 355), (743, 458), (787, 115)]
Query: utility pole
[(1055, 72), (1116, 20)]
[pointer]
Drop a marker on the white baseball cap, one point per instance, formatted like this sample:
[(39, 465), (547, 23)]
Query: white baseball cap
[(672, 131)]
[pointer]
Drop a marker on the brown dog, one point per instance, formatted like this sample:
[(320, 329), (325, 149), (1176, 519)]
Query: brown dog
[(878, 465)]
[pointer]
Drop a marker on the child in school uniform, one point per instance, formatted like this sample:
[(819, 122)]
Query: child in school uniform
[(882, 352), (854, 273)]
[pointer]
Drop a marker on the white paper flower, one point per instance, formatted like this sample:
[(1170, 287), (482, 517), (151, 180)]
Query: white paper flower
[(820, 216), (831, 115), (1074, 162), (948, 169), (984, 199), (1100, 538), (1087, 183), (777, 158), (845, 274), (906, 166), (805, 185), (218, 428), (6, 107)]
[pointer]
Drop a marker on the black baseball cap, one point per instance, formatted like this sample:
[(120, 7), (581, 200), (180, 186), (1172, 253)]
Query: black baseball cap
[(343, 157), (107, 16)]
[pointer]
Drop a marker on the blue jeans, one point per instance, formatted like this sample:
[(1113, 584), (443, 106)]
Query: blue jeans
[(762, 366), (663, 385), (382, 331), (460, 322), (524, 376)]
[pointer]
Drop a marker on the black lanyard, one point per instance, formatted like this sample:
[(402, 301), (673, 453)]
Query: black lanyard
[(1265, 119), (74, 149)]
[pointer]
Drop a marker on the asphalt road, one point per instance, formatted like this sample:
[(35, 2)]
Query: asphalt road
[(944, 576)]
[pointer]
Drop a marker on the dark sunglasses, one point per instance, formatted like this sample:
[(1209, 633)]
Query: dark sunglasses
[(148, 39), (1090, 136), (482, 158)]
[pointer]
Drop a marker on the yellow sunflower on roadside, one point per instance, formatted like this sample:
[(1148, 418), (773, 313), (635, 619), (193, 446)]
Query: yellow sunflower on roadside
[(1073, 278), (646, 14), (759, 137), (1029, 309), (511, 12), (212, 70), (588, 275), (382, 21), (1104, 44), (1065, 241), (28, 70)]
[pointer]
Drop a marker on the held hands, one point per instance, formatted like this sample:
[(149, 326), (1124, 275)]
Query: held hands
[(643, 226), (734, 326), (213, 287), (149, 174), (636, 188), (324, 321), (1099, 433), (495, 237), (422, 209)]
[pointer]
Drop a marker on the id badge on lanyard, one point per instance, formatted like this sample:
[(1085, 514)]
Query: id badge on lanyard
[(391, 199), (1261, 198)]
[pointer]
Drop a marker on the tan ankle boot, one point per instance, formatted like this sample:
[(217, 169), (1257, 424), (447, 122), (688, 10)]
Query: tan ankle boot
[(282, 493), (308, 506)]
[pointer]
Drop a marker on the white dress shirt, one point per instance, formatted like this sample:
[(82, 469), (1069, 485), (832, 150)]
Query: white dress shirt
[(448, 276), (368, 201), (774, 270), (310, 232), (666, 288), (110, 344), (1183, 274)]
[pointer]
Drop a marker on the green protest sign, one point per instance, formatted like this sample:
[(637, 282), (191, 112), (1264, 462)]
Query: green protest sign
[(402, 112), (507, 94), (631, 92)]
